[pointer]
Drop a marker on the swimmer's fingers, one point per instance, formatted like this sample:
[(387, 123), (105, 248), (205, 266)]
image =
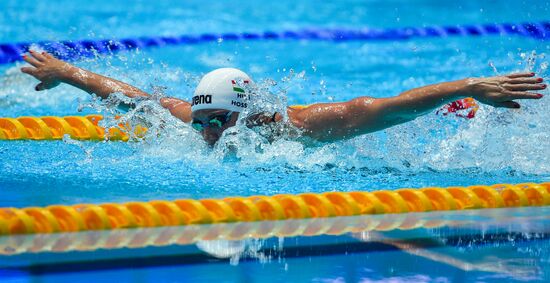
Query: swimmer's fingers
[(29, 70), (521, 75), (524, 95), (38, 56), (524, 87), (525, 80), (32, 61), (47, 55)]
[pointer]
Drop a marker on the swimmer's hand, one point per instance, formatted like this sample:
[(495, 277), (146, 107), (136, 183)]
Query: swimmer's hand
[(45, 68), (503, 90)]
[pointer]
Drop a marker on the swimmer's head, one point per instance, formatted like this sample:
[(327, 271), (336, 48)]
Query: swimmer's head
[(222, 89), (218, 100)]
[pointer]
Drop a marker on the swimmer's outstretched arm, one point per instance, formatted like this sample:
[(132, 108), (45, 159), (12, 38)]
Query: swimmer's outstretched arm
[(333, 121), (51, 71)]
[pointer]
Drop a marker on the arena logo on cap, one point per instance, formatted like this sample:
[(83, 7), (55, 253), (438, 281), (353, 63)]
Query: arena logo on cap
[(201, 99)]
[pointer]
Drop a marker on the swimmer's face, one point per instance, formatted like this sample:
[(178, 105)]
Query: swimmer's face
[(212, 122)]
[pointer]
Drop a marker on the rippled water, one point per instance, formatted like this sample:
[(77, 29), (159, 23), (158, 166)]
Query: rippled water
[(497, 146)]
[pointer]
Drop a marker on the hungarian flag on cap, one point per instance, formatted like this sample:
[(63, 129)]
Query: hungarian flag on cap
[(236, 88)]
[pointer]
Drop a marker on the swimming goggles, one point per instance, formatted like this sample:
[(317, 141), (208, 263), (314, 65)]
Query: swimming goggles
[(217, 122)]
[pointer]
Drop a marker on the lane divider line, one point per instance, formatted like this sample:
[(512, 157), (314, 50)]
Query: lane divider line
[(73, 50), (183, 212)]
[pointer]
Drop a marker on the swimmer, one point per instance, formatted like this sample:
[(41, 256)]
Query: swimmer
[(220, 97)]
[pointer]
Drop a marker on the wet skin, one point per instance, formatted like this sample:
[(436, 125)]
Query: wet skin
[(321, 121)]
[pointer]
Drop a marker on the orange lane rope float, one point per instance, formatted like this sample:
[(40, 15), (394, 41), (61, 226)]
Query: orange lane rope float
[(111, 216), (54, 128), (87, 127)]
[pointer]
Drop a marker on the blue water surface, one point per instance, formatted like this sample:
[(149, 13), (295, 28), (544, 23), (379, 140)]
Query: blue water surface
[(498, 146)]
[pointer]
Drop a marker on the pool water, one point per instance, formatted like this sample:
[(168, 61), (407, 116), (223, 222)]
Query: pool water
[(498, 146)]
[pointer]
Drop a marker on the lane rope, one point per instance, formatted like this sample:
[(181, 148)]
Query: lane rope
[(160, 213), (72, 50), (55, 128)]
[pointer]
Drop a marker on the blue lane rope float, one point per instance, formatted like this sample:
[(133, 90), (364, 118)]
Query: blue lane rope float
[(67, 50)]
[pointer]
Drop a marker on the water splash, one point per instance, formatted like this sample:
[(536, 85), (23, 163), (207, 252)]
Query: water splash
[(497, 140), (235, 250)]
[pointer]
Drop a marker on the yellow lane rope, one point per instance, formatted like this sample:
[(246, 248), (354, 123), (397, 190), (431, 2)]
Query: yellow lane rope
[(54, 128), (158, 213)]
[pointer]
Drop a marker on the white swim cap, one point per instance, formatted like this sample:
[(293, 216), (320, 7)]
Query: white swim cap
[(222, 89)]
